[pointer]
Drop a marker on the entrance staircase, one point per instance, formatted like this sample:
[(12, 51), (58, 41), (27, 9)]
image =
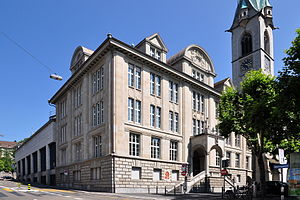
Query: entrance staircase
[(203, 183)]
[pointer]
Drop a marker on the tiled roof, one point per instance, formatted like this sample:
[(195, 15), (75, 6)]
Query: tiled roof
[(8, 145)]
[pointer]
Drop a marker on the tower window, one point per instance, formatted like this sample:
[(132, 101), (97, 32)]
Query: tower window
[(267, 42), (246, 44)]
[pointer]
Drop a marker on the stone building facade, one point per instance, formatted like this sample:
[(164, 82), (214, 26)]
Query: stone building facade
[(128, 119), (36, 157)]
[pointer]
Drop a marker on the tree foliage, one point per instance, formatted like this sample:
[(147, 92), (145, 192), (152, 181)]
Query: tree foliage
[(288, 108), (7, 161)]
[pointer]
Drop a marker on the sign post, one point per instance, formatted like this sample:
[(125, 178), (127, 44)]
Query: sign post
[(281, 161)]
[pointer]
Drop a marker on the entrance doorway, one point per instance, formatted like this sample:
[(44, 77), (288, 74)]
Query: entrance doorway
[(198, 161)]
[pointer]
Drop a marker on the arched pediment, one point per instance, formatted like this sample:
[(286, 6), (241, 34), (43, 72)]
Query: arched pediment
[(197, 56), (80, 53)]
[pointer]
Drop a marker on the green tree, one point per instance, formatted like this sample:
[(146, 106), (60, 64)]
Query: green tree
[(249, 112), (288, 102)]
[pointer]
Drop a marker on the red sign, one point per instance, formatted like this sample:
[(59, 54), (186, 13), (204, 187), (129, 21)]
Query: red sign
[(184, 169), (167, 175), (224, 172)]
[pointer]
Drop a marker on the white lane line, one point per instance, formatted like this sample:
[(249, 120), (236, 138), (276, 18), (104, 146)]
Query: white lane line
[(78, 198)]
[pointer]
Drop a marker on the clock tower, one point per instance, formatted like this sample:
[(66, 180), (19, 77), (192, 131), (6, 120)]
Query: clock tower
[(252, 39)]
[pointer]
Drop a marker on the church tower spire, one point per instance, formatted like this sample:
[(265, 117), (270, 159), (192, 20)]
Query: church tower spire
[(252, 38)]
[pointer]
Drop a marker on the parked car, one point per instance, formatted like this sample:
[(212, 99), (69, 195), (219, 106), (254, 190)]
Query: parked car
[(274, 188), (7, 177)]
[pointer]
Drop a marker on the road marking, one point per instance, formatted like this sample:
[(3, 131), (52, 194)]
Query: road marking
[(78, 198), (7, 189), (55, 190)]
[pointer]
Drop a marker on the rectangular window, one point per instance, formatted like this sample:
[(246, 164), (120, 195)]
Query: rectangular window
[(158, 85), (98, 113), (175, 175), (237, 140), (228, 140), (77, 125), (63, 133), (134, 76), (94, 83), (247, 162), (98, 80), (237, 160), (171, 121), (175, 90), (176, 122), (155, 147), (158, 55), (77, 97), (216, 109), (138, 110), (152, 83), (158, 117), (63, 108), (156, 174), (130, 75), (170, 91), (238, 178), (101, 78), (202, 108), (202, 77), (218, 158), (101, 112), (202, 127), (198, 75), (78, 152), (63, 157), (198, 127), (134, 144), (193, 73), (77, 175), (173, 150), (136, 173), (228, 157), (194, 127), (194, 101), (96, 173), (152, 52), (137, 78), (134, 110), (152, 115), (155, 84), (97, 146), (130, 109), (98, 75)]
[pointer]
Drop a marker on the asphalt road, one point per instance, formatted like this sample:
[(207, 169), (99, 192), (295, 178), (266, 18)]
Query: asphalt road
[(10, 190)]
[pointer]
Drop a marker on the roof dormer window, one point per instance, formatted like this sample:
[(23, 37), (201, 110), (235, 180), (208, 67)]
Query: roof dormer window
[(155, 53)]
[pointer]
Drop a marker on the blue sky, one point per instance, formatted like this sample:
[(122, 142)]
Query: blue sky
[(52, 29)]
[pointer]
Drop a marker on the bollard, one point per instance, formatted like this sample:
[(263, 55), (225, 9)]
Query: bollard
[(29, 187), (165, 190), (281, 193), (223, 192), (174, 190), (156, 189), (148, 189), (19, 185)]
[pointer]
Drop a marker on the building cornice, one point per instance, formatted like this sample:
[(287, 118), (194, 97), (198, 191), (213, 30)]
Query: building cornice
[(113, 43)]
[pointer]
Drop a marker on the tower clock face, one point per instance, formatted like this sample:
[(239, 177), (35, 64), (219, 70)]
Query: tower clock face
[(245, 66)]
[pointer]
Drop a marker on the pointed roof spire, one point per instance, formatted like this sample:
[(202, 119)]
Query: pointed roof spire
[(258, 5)]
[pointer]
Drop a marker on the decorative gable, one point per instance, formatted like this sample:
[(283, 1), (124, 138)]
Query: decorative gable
[(154, 46)]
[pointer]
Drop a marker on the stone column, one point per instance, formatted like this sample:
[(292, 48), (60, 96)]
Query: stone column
[(26, 168), (47, 164), (31, 165), (207, 164), (38, 166)]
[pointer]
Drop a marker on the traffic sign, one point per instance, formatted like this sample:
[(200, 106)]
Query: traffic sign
[(184, 169), (224, 172), (279, 166)]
